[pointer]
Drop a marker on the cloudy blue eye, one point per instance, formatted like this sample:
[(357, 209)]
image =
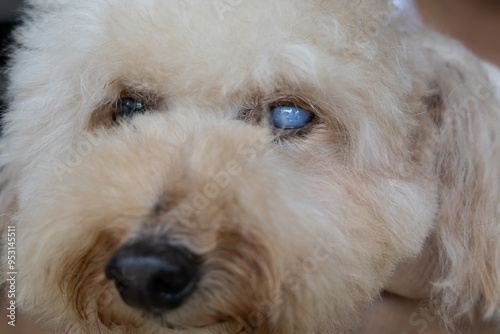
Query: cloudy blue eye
[(290, 117)]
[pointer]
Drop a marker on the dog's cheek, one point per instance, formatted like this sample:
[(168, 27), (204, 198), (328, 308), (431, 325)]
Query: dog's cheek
[(69, 230), (85, 288)]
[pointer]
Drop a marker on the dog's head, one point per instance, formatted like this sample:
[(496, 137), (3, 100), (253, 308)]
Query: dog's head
[(226, 166)]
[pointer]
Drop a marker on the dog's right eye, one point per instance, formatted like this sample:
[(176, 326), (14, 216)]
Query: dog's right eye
[(128, 107), (290, 117)]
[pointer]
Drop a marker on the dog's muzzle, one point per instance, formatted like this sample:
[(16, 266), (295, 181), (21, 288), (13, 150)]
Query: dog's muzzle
[(153, 276)]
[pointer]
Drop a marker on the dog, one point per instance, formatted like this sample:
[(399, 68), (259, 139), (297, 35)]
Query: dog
[(247, 167)]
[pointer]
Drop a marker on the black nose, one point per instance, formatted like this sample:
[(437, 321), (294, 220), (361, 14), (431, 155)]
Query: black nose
[(153, 277)]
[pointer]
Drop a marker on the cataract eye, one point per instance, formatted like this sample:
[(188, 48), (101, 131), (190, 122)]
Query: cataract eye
[(128, 107), (290, 117)]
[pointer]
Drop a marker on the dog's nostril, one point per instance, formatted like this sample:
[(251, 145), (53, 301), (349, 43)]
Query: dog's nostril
[(153, 277)]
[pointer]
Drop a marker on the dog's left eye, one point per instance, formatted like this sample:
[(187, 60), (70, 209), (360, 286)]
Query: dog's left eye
[(290, 117), (128, 107)]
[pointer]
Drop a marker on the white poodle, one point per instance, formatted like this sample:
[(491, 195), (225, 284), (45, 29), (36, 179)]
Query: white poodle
[(266, 166)]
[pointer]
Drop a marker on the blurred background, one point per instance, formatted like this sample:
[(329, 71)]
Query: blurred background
[(475, 22)]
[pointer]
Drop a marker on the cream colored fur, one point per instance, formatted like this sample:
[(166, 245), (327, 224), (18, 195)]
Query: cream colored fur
[(406, 149)]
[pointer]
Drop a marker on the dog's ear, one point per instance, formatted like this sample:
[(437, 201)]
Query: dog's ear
[(464, 106)]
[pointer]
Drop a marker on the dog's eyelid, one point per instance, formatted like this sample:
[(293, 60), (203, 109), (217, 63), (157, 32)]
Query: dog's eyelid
[(108, 112), (149, 99), (297, 99)]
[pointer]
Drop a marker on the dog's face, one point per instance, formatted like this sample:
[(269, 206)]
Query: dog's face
[(219, 167)]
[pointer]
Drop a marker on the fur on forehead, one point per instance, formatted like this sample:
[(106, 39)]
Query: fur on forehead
[(203, 57)]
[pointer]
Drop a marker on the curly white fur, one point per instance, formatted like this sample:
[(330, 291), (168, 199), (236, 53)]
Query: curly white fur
[(405, 149)]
